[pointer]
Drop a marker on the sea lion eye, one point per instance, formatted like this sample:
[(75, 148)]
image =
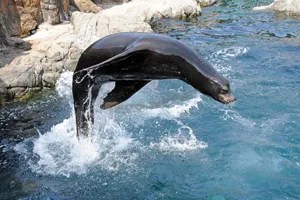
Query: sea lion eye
[(223, 91)]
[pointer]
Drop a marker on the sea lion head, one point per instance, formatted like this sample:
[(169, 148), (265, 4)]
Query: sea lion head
[(204, 78), (220, 91)]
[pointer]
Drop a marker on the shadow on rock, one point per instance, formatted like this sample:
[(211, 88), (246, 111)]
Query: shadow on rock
[(9, 50), (12, 48)]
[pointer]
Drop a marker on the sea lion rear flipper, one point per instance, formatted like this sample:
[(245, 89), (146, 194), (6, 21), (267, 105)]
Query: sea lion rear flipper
[(123, 90)]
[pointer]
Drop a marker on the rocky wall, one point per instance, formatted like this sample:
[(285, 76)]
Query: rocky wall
[(30, 15), (10, 18)]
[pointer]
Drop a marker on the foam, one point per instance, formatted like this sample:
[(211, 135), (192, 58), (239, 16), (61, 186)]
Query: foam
[(174, 111), (61, 153), (235, 116), (184, 140), (232, 52), (64, 85), (111, 146), (227, 54)]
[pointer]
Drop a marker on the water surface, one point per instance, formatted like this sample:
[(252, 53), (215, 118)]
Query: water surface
[(169, 141)]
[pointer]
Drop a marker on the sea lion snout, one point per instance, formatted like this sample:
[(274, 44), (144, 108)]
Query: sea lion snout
[(226, 98)]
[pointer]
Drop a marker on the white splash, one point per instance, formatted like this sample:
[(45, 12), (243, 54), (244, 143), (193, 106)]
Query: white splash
[(111, 146), (174, 111), (59, 151), (218, 58), (184, 140), (232, 52), (235, 116), (64, 86)]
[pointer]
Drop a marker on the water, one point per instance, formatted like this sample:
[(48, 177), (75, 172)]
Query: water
[(168, 141)]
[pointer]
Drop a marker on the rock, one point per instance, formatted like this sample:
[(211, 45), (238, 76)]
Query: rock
[(110, 1), (290, 7), (56, 11), (49, 79), (50, 11), (3, 34), (26, 76), (143, 10), (10, 47), (28, 24), (63, 34), (10, 18), (206, 3), (30, 14), (86, 6), (40, 67), (64, 10), (139, 13), (55, 52), (91, 27), (9, 53)]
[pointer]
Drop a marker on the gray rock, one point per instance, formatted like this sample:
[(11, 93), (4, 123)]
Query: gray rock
[(27, 76), (50, 11), (55, 52), (10, 18), (55, 11), (50, 78), (3, 34), (86, 6), (132, 16), (290, 7), (206, 3), (110, 1)]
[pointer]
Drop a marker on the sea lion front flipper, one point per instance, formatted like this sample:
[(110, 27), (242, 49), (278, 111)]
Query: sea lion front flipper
[(123, 90)]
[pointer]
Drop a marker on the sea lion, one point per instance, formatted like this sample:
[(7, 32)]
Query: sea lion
[(132, 60)]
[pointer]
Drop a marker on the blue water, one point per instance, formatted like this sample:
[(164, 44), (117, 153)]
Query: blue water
[(168, 141)]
